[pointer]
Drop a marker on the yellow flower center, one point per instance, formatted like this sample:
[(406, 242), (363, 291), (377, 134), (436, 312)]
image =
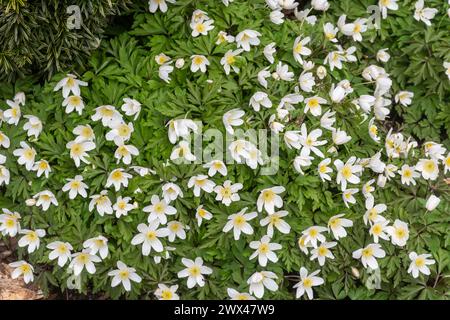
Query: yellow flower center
[(322, 251), (420, 262), (166, 295), (231, 59), (76, 149), (347, 172), (268, 195), (117, 175), (367, 252), (264, 248), (307, 283), (198, 60), (239, 221), (313, 103), (74, 100), (194, 271), (429, 166), (151, 235)]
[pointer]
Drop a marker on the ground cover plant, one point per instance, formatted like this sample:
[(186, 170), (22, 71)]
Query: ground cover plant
[(327, 125)]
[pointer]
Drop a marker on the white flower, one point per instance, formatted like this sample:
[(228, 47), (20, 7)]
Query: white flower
[(44, 199), (447, 68), (353, 29), (306, 81), (292, 139), (321, 72), (419, 264), (158, 210), (175, 229), (232, 119), (97, 244), (229, 59), (171, 192), (12, 115), (78, 151), (340, 91), (199, 62), (307, 282), (22, 268), (302, 161), (399, 232), (382, 55), (313, 105), (31, 239), (324, 169), (4, 140), (260, 99), (73, 103), (330, 32), (182, 150), (274, 125), (260, 280), (310, 141), (153, 5), (167, 293), (131, 107), (120, 133), (346, 172), (239, 223), (387, 4), (102, 203), (262, 76), (75, 186), (314, 234), (33, 126), (4, 172), (70, 84), (303, 15), (224, 37), (373, 131), (201, 27), (124, 153), (337, 225), (320, 5), (247, 38), (148, 236), (269, 51), (275, 220), (377, 230), (84, 133), (340, 137), (429, 168), (117, 178), (201, 182), (264, 250), (83, 260), (322, 252), (194, 272), (424, 14), (369, 254), (432, 202), (164, 72), (404, 98), (347, 196), (179, 63), (299, 48), (60, 250), (277, 17), (235, 295), (327, 120), (365, 102), (216, 166), (434, 150), (269, 199), (9, 223), (109, 116), (122, 206), (26, 155), (372, 213), (201, 214), (282, 72), (303, 245), (42, 167), (408, 174), (123, 275), (228, 193), (180, 128)]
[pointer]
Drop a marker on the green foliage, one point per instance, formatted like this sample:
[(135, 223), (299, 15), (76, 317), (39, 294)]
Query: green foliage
[(35, 39), (125, 67)]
